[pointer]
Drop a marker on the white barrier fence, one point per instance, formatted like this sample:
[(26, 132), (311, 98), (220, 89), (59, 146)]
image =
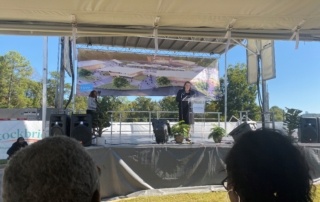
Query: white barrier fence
[(123, 132)]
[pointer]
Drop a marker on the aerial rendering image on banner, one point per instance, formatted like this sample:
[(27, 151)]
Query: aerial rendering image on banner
[(124, 74)]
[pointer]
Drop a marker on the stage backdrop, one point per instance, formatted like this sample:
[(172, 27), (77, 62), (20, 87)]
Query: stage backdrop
[(129, 74)]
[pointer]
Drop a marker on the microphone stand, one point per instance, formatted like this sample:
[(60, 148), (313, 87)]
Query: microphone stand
[(181, 106)]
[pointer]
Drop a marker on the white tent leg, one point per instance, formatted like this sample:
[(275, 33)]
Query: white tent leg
[(226, 81), (44, 85)]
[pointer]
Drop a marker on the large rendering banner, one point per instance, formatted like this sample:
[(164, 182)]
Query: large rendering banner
[(129, 74)]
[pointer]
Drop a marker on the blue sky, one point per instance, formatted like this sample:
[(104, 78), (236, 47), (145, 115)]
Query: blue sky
[(295, 86)]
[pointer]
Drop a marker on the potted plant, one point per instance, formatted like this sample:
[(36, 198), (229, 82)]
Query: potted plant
[(101, 120), (217, 133), (180, 131)]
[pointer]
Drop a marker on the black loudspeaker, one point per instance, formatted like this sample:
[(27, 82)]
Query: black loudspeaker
[(59, 125), (161, 129), (308, 130), (243, 128), (81, 128)]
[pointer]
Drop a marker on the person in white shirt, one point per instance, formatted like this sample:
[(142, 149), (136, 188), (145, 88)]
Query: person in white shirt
[(92, 104), (92, 101)]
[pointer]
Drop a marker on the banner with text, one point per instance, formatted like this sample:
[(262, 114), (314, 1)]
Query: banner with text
[(11, 130)]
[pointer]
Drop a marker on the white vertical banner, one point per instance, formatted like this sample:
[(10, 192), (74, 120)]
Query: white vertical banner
[(266, 50), (268, 60), (252, 62)]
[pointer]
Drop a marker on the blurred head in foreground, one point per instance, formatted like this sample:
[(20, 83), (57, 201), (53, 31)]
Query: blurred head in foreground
[(265, 166), (53, 169)]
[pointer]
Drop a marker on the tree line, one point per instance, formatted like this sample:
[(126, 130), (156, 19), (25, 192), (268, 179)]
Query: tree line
[(20, 90)]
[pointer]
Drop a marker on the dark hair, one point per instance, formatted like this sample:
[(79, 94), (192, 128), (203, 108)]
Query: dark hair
[(92, 94), (53, 169), (184, 85), (265, 166)]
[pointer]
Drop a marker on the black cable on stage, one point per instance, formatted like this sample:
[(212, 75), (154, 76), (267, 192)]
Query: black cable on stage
[(72, 75), (258, 85)]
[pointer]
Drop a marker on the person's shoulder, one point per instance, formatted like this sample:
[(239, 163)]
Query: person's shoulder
[(15, 143)]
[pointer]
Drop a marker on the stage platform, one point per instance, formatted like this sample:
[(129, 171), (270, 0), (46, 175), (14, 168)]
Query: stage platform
[(144, 165)]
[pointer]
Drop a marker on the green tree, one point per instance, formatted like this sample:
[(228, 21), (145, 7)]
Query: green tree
[(240, 95), (34, 94), (278, 113), (80, 104), (105, 105), (292, 118), (120, 82), (143, 104), (52, 83), (15, 74), (112, 103), (169, 104), (213, 106), (84, 73), (163, 81), (123, 105)]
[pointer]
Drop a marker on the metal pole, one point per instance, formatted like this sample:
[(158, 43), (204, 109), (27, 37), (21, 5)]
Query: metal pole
[(265, 103), (62, 74), (75, 67), (225, 90), (44, 85), (60, 58)]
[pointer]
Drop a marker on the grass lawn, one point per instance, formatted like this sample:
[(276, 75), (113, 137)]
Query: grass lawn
[(3, 161), (203, 197)]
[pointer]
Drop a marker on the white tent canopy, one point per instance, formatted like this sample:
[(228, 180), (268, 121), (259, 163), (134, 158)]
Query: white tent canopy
[(260, 19), (190, 20)]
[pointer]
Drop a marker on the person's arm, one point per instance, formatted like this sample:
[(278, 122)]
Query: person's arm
[(12, 149), (9, 152), (179, 97), (97, 103), (91, 103)]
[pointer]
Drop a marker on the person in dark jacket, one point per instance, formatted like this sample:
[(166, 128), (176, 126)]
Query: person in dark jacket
[(183, 104), (20, 143)]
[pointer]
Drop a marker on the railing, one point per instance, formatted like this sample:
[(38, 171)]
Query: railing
[(200, 118)]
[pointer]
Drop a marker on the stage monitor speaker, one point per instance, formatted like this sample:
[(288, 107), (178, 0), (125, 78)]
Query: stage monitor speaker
[(243, 128), (59, 125), (81, 128), (308, 130), (161, 129)]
